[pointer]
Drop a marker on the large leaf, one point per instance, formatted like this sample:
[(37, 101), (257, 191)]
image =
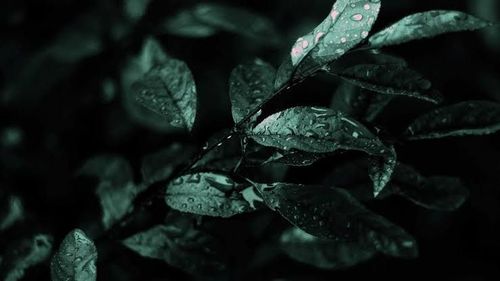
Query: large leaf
[(179, 244), (150, 55), (390, 79), (323, 253), (75, 260), (116, 189), (315, 129), (359, 103), (160, 165), (464, 118), (249, 86), (425, 25), (207, 194), (332, 213), (206, 19), (347, 24), (22, 255), (169, 90)]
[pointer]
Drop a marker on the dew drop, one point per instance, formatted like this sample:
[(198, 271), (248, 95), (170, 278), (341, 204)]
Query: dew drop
[(366, 7), (355, 135), (184, 205), (318, 36), (190, 199), (334, 14), (364, 34), (305, 44), (357, 17), (339, 51), (343, 40)]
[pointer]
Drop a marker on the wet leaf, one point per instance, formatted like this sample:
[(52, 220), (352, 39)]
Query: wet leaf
[(22, 255), (359, 103), (11, 212), (425, 25), (461, 119), (169, 90), (323, 253), (160, 165), (332, 213), (436, 192), (207, 194), (250, 85), (179, 244), (381, 169), (206, 19), (390, 79), (116, 189), (315, 130), (76, 258), (150, 55), (347, 24)]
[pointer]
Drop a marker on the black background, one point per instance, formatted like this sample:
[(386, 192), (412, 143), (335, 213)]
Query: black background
[(69, 122)]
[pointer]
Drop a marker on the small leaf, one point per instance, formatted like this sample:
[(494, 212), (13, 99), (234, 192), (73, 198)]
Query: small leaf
[(207, 194), (180, 245), (347, 24), (317, 130), (135, 9), (169, 90), (205, 19), (159, 165), (323, 253), (332, 213), (20, 256), (359, 103), (13, 212), (390, 79), (425, 25), (461, 119), (150, 55), (250, 85), (116, 189), (75, 260), (436, 192), (381, 169)]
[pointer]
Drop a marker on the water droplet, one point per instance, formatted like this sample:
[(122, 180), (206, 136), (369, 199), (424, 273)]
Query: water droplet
[(334, 14), (355, 135), (343, 40), (366, 7), (357, 17), (305, 44), (318, 36), (339, 51), (190, 199), (184, 205), (364, 34)]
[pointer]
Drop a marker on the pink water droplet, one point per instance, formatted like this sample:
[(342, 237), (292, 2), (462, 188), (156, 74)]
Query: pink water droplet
[(364, 34), (318, 36), (305, 44), (357, 17), (297, 51), (367, 7), (334, 14)]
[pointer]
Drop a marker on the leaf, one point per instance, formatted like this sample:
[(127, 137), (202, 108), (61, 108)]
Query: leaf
[(207, 194), (250, 85), (425, 25), (169, 90), (359, 103), (347, 24), (223, 157), (20, 256), (436, 192), (390, 79), (180, 245), (295, 157), (116, 189), (75, 260), (332, 213), (160, 165), (461, 119), (13, 212), (317, 130), (135, 9), (381, 169), (150, 55), (206, 19), (323, 253)]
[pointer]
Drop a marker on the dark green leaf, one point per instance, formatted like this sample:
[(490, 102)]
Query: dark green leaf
[(323, 253), (390, 79), (347, 24), (317, 130), (206, 19), (223, 157), (179, 244), (461, 119), (160, 165), (249, 86), (76, 258), (207, 194), (169, 90), (151, 55), (332, 213), (425, 25), (116, 189), (11, 212), (381, 169), (20, 256), (359, 103)]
